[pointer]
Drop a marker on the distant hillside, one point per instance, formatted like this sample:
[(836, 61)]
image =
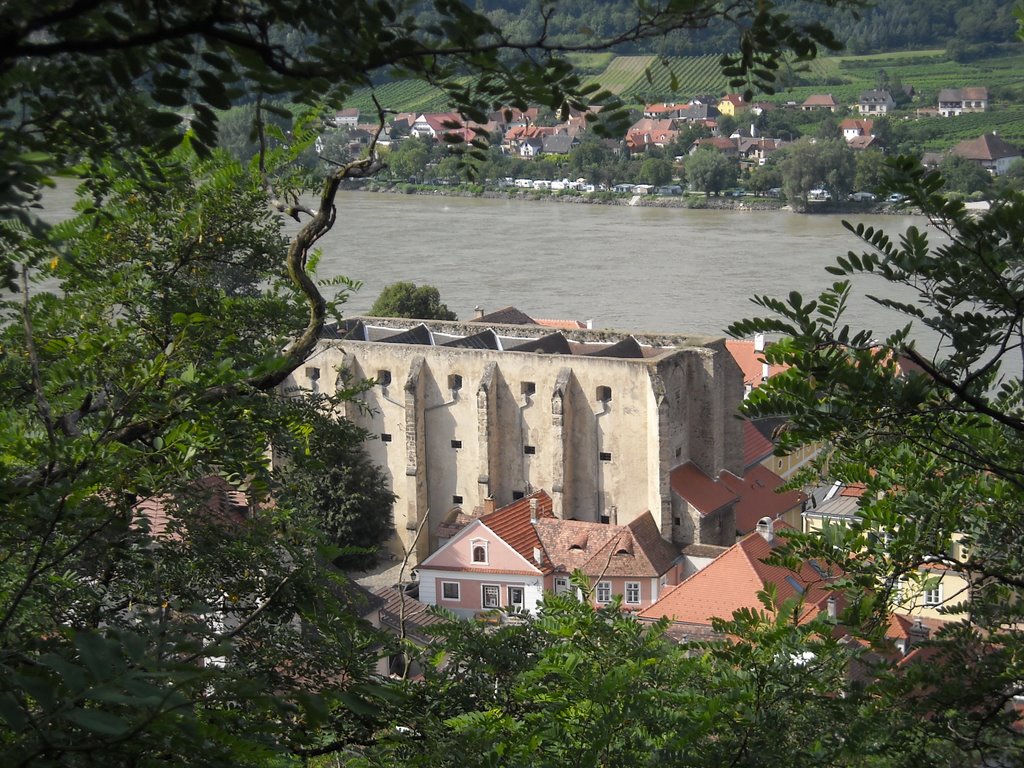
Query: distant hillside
[(889, 25)]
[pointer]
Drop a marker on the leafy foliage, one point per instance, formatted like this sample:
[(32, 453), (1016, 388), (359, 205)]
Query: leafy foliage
[(404, 299), (935, 436)]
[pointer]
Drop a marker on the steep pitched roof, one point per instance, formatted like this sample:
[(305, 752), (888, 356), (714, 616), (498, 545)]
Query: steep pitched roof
[(733, 581), (757, 496), (552, 344), (514, 524), (987, 147), (486, 339), (400, 612), (633, 550), (750, 359), (689, 482), (506, 316), (756, 447), (627, 347)]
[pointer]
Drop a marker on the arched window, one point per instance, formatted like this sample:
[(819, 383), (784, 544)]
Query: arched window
[(478, 551)]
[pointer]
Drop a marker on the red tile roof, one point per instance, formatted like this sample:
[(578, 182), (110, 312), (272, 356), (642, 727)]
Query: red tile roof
[(751, 361), (820, 100), (756, 447), (689, 482), (734, 580), (513, 524), (757, 497), (987, 147)]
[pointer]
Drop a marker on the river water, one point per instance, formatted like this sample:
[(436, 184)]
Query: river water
[(626, 268)]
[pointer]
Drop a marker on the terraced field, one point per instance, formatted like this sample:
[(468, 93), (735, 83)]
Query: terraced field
[(401, 96), (623, 73)]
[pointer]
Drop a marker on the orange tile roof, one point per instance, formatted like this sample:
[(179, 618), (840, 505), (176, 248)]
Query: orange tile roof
[(513, 524), (733, 581), (757, 496), (751, 361), (689, 482)]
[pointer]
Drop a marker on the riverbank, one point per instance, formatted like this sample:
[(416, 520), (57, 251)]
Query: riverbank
[(746, 203)]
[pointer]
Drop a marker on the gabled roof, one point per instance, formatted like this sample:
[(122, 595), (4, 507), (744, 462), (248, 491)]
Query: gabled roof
[(963, 94), (552, 344), (627, 347), (861, 142), (863, 127), (987, 147), (486, 339), (402, 613), (419, 334), (757, 496), (733, 581), (506, 316), (633, 550), (689, 482), (513, 523)]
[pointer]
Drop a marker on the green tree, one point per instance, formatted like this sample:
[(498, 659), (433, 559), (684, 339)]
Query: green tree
[(964, 176), (709, 171), (810, 164), (141, 376), (409, 159), (932, 426), (326, 476), (656, 171), (870, 170), (405, 299)]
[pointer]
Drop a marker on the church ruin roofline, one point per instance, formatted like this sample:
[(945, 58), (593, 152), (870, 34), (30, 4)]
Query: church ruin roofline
[(524, 338)]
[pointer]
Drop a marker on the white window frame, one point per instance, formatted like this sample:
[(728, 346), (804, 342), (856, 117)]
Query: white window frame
[(472, 551), (633, 586), (603, 592), (561, 584), (521, 603), (484, 588), (932, 597), (458, 590)]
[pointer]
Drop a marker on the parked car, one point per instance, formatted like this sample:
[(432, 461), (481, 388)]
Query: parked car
[(895, 197), (864, 197), (820, 194)]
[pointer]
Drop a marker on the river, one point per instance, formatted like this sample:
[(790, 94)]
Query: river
[(625, 268)]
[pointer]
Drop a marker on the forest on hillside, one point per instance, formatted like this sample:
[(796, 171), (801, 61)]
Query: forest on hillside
[(892, 25)]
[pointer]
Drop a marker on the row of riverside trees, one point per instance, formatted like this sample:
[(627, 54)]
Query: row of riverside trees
[(143, 348)]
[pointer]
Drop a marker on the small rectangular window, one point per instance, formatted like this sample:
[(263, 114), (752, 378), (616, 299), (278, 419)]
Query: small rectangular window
[(449, 590), (529, 450), (933, 596), (490, 596), (605, 520), (516, 495), (604, 394), (313, 374), (383, 377), (456, 444), (455, 382), (385, 437), (606, 455), (633, 593), (456, 499), (527, 388), (604, 592)]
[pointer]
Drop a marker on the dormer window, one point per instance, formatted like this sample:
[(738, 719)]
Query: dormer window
[(478, 550)]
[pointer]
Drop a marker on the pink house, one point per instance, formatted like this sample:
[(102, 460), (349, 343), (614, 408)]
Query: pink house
[(510, 557)]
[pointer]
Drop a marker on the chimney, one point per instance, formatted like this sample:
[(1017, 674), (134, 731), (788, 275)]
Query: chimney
[(831, 606), (488, 505), (766, 529), (918, 633), (759, 342), (533, 510), (478, 312)]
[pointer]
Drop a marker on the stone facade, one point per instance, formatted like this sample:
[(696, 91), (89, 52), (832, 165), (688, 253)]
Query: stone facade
[(461, 414)]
